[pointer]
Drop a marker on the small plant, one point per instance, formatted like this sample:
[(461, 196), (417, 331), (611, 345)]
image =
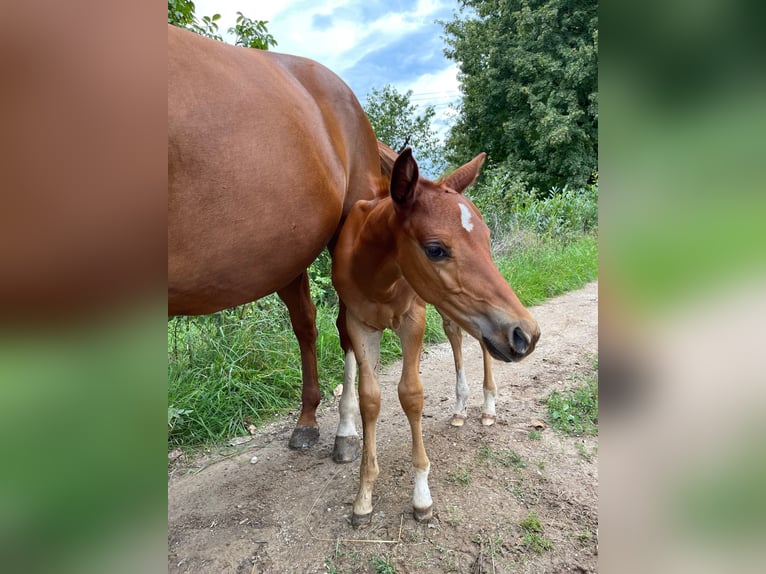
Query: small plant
[(535, 434), (575, 412), (453, 519), (461, 476), (383, 565), (533, 538), (584, 536)]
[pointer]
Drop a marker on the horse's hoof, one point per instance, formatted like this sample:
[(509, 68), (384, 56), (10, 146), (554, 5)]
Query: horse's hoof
[(457, 420), (423, 514), (346, 449), (358, 520), (303, 437), (487, 420)]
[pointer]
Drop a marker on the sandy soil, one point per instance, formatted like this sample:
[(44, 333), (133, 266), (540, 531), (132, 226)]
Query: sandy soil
[(289, 511)]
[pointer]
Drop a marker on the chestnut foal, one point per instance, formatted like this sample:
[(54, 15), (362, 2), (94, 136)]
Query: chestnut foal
[(425, 242), (455, 336)]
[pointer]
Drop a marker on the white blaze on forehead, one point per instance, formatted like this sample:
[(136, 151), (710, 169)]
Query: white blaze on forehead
[(465, 217)]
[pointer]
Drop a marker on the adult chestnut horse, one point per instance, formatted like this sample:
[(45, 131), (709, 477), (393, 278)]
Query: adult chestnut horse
[(266, 155), (455, 336), (424, 242)]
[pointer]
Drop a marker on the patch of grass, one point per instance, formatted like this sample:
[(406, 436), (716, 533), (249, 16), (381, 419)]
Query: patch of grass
[(505, 457), (575, 412), (535, 434), (547, 268), (533, 538), (461, 476), (383, 565)]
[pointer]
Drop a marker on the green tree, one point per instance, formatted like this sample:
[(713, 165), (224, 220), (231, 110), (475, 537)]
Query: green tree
[(252, 33), (397, 123), (249, 33), (529, 76)]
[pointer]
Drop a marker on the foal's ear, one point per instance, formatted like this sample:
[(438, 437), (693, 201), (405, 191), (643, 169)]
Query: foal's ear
[(404, 178), (464, 176)]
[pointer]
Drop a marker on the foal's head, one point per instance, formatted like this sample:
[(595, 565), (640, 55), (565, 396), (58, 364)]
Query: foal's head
[(444, 253)]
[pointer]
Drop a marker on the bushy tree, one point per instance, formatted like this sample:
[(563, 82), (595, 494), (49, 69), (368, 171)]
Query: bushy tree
[(529, 80), (397, 123)]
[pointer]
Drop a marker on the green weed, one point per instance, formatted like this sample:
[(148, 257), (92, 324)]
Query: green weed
[(461, 476), (504, 457), (575, 412), (533, 538), (383, 565), (453, 519)]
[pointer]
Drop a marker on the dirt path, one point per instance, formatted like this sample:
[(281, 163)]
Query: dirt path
[(288, 512)]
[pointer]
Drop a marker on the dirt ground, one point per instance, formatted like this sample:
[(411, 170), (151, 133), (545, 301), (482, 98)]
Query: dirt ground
[(289, 511)]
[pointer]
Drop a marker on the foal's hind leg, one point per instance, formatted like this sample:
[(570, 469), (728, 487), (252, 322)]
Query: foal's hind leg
[(490, 390), (347, 444), (297, 297), (366, 344), (411, 398), (455, 336)]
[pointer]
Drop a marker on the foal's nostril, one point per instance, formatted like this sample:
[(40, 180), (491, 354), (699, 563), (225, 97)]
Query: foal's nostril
[(519, 341)]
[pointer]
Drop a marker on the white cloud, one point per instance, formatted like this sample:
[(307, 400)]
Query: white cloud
[(347, 39)]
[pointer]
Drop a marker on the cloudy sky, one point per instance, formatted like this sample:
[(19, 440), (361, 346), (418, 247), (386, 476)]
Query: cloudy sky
[(368, 43)]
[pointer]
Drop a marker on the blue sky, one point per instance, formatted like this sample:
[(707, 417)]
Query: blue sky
[(368, 43)]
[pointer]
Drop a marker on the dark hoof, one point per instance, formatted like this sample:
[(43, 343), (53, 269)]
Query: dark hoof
[(303, 437), (358, 520), (346, 449), (423, 514)]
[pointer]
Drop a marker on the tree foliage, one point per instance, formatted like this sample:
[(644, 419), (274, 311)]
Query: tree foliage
[(397, 123), (249, 33), (529, 80)]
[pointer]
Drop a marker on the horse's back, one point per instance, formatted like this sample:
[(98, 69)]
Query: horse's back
[(263, 149)]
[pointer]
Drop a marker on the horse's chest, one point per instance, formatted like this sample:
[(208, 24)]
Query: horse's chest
[(387, 310)]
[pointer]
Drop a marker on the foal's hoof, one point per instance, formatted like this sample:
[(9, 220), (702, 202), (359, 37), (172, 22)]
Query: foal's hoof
[(487, 420), (304, 437), (423, 514), (346, 449), (358, 520), (457, 420)]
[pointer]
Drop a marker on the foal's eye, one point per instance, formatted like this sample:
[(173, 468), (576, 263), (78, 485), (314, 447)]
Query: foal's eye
[(435, 251)]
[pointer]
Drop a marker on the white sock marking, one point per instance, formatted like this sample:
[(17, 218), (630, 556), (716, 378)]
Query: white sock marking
[(421, 498), (489, 403), (349, 406), (461, 393)]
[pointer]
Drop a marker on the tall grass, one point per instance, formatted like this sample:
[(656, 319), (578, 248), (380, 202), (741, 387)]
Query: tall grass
[(242, 366)]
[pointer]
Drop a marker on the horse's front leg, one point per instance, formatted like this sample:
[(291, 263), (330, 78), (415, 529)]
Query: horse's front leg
[(455, 336), (410, 389), (297, 297), (490, 390), (366, 343), (346, 447)]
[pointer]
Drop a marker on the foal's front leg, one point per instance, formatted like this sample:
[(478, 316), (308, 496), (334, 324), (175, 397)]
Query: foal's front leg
[(455, 336), (366, 344), (410, 333), (490, 390)]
